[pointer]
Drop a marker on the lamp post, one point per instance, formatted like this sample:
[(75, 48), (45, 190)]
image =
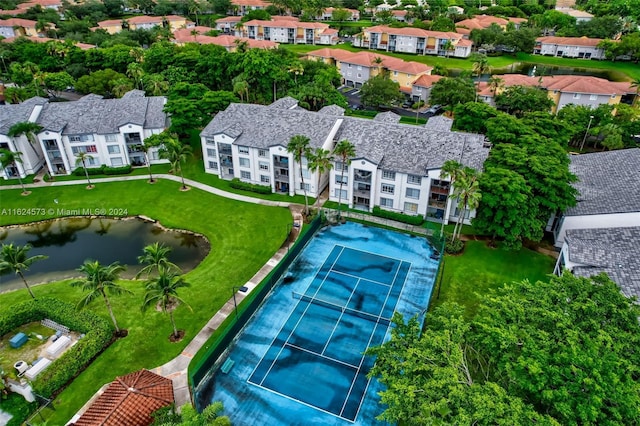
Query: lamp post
[(586, 133), (234, 289)]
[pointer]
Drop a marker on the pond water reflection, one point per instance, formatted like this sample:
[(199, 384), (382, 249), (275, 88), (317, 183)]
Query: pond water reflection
[(69, 242)]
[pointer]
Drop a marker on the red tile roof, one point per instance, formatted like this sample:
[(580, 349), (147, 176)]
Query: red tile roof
[(569, 84), (18, 22), (253, 3), (427, 80), (229, 19), (410, 31), (570, 41), (82, 46), (129, 400)]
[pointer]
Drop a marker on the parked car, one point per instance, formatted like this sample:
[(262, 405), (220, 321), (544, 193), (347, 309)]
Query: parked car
[(407, 104), (435, 109)]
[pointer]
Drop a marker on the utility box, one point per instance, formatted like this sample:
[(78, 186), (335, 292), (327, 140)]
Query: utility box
[(18, 340)]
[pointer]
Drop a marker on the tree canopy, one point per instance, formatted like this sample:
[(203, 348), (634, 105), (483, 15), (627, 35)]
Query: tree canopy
[(453, 91), (548, 353), (380, 90)]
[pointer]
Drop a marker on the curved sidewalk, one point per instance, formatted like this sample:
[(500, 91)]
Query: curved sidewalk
[(189, 182)]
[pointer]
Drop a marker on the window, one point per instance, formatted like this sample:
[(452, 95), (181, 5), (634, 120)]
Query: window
[(395, 73), (341, 179), (305, 186), (81, 138), (306, 174), (211, 152), (413, 193), (111, 138), (386, 202), (264, 165), (576, 96), (263, 153), (387, 189), (388, 175), (117, 161), (414, 179), (410, 208), (341, 194), (340, 166), (593, 97), (359, 75), (211, 142), (87, 148), (359, 68), (113, 149), (243, 149), (213, 165), (418, 89), (245, 175), (265, 179), (244, 162)]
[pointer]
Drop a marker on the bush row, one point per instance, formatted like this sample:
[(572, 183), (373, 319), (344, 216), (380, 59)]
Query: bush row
[(454, 247), (245, 186), (398, 217), (103, 170), (98, 335)]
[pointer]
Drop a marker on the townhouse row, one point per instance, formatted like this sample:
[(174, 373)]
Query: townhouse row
[(396, 166), (111, 131)]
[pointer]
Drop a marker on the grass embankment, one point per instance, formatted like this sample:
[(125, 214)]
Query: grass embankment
[(481, 268), (241, 242)]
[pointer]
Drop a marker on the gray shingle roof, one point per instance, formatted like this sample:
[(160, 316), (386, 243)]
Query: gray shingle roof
[(399, 147), (609, 182), (332, 110), (612, 250), (264, 126), (439, 123), (93, 114), (11, 114), (284, 103), (387, 117)]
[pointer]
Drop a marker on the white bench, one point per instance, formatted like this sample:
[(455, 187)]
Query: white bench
[(37, 368)]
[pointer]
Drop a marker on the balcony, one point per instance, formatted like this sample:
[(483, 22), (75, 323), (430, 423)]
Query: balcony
[(438, 204), (440, 190)]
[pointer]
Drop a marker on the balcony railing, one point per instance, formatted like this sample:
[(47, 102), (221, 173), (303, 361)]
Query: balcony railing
[(439, 190), (438, 204)]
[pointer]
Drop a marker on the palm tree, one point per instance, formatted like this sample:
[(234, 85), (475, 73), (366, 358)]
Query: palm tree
[(14, 258), (135, 71), (320, 161), (99, 281), (346, 151), (467, 190), (450, 169), (495, 83), (480, 66), (10, 158), (28, 129), (448, 47), (176, 153), (81, 157), (299, 146), (163, 290), (155, 84), (636, 84), (155, 256), (241, 87)]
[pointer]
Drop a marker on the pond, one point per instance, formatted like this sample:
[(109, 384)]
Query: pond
[(538, 70), (69, 242)]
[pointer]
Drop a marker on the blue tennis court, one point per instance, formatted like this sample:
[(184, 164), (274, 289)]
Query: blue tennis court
[(317, 357)]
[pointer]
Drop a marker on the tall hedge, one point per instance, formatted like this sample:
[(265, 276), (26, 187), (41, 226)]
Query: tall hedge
[(97, 331), (398, 217)]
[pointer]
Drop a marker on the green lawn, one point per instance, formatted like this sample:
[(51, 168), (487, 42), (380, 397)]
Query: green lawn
[(241, 242), (481, 268)]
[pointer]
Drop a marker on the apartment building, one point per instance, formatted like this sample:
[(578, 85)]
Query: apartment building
[(171, 22), (327, 14), (482, 22), (357, 68), (396, 166), (567, 89), (569, 47), (110, 130), (229, 42), (15, 27), (242, 7), (32, 156), (413, 40), (289, 31)]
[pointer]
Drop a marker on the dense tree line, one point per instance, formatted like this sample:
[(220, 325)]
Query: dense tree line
[(198, 79), (545, 353)]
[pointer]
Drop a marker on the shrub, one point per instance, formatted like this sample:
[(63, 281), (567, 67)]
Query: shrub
[(97, 331), (245, 186), (18, 407), (398, 217), (454, 247), (103, 170)]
